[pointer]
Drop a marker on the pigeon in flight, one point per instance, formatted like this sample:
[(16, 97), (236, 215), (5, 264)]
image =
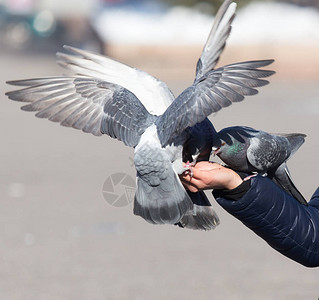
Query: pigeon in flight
[(107, 97), (249, 150)]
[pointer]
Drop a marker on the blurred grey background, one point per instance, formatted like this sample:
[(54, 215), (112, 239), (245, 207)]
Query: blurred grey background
[(60, 238)]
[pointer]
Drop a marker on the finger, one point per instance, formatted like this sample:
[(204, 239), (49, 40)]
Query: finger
[(191, 183), (190, 187), (199, 174), (186, 177), (198, 184)]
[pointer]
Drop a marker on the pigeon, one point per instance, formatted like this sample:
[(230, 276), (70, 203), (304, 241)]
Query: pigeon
[(249, 150), (198, 147), (106, 97)]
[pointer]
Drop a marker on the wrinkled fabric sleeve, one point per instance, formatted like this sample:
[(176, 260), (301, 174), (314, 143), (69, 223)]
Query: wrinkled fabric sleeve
[(286, 225)]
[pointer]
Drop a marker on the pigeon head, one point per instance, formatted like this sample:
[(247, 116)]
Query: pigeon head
[(228, 147), (231, 144)]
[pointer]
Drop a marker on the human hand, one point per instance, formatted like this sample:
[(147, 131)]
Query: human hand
[(210, 175)]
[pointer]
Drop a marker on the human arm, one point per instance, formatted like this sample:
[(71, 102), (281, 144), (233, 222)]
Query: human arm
[(286, 225)]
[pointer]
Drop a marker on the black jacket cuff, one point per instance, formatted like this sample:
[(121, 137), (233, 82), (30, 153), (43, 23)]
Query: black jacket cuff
[(236, 193)]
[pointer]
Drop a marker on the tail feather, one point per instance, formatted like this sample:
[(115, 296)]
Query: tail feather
[(162, 204), (283, 178), (295, 140), (202, 217)]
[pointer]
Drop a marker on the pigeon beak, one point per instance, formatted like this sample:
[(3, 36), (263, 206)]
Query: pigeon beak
[(215, 150)]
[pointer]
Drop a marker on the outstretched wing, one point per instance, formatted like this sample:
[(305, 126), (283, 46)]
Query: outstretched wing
[(153, 93), (217, 89), (216, 40), (92, 105)]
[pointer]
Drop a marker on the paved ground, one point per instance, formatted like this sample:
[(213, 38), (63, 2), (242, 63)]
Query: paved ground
[(61, 240)]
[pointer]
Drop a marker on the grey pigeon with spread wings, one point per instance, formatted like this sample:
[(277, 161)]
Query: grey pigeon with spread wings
[(250, 150), (107, 97)]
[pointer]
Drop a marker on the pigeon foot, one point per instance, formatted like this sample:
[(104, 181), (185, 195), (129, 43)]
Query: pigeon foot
[(189, 168)]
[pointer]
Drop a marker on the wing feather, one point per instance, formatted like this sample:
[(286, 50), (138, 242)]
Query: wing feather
[(216, 40), (144, 86), (209, 94), (89, 104)]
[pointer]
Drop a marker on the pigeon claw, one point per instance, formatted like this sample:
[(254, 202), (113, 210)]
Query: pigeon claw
[(215, 151), (189, 168)]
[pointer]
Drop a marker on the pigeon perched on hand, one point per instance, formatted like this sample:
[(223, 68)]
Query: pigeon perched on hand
[(249, 150), (107, 97), (198, 146)]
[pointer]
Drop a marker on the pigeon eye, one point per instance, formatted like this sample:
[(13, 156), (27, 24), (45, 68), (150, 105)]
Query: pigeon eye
[(223, 144)]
